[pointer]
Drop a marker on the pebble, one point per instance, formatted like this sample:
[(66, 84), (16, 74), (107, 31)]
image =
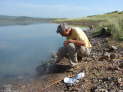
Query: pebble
[(113, 56), (114, 47), (101, 90), (120, 90)]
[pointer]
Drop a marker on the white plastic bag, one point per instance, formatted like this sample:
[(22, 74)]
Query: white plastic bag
[(75, 79)]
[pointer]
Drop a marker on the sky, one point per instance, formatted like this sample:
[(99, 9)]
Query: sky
[(58, 8)]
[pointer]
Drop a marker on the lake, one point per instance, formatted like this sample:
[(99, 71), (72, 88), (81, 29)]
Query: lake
[(24, 47)]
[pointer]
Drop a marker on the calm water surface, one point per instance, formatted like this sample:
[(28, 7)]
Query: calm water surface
[(22, 48)]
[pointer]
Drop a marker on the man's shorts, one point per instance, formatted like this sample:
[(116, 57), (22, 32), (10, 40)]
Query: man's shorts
[(83, 51)]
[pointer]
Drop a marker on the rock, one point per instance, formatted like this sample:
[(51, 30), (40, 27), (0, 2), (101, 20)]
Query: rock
[(54, 55), (106, 84), (20, 77), (7, 88), (101, 90), (120, 81), (113, 56), (120, 91), (114, 47), (121, 52), (104, 58), (120, 66), (107, 54)]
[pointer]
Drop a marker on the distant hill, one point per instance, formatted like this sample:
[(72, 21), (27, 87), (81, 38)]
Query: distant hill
[(113, 21), (22, 20), (5, 16), (94, 20)]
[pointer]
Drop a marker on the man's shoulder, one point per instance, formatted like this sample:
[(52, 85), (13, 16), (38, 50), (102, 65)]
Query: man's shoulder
[(77, 29)]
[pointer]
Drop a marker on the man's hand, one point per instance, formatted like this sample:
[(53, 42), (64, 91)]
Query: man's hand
[(76, 42), (67, 42)]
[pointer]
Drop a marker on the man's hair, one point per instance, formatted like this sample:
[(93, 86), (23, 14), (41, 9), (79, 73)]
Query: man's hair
[(62, 27)]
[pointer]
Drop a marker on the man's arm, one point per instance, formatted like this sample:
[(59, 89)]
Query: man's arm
[(76, 42)]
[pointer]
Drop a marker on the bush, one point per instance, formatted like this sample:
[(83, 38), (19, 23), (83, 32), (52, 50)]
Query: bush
[(114, 27)]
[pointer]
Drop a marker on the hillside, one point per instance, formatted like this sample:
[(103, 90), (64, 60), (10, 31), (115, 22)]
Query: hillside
[(21, 20), (113, 21), (91, 20)]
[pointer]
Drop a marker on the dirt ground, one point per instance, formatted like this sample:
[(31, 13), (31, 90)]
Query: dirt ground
[(103, 70)]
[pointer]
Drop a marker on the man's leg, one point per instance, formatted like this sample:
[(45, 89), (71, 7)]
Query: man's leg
[(72, 53), (61, 53), (83, 51)]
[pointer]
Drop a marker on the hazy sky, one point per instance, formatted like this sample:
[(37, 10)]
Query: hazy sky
[(58, 8)]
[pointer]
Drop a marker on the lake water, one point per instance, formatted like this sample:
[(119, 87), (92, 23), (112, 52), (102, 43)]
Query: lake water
[(24, 47)]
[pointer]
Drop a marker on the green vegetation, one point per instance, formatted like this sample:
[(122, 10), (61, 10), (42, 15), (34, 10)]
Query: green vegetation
[(113, 21)]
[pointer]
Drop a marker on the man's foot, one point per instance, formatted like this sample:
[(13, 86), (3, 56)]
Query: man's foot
[(73, 64)]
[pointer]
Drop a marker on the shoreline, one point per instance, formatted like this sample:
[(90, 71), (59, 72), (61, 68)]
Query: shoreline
[(103, 69), (96, 67)]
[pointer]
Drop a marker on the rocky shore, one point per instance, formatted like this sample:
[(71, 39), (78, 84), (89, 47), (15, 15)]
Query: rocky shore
[(103, 72)]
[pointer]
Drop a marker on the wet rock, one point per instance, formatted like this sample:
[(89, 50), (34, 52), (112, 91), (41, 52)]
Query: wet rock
[(42, 69), (20, 77), (9, 88)]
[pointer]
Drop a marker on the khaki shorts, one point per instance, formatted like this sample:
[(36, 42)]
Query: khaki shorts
[(73, 51), (83, 51)]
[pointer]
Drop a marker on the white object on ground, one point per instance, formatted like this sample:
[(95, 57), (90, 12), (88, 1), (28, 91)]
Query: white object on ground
[(74, 79)]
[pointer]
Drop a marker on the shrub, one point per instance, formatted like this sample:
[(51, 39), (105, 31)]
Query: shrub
[(114, 26)]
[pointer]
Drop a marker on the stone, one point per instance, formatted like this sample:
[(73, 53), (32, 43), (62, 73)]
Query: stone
[(54, 55), (120, 81), (101, 90), (7, 88), (120, 67), (114, 47), (104, 56), (120, 91), (113, 56), (107, 54)]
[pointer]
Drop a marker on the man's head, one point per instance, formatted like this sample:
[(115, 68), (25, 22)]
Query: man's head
[(63, 29)]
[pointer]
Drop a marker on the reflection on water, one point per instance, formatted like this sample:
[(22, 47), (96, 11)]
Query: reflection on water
[(22, 48)]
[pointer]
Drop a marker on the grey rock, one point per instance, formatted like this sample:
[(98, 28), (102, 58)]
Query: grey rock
[(120, 91), (101, 90), (113, 56), (107, 54)]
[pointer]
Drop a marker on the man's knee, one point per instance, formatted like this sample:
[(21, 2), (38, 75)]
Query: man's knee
[(70, 49), (88, 51), (61, 52), (71, 46), (85, 51)]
